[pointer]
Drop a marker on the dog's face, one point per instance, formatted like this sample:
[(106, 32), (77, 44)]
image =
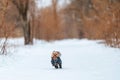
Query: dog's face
[(54, 56)]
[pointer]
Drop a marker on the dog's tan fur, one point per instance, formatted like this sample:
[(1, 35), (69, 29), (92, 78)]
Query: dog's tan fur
[(55, 54)]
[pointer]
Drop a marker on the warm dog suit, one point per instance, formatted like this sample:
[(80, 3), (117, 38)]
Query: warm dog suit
[(55, 59)]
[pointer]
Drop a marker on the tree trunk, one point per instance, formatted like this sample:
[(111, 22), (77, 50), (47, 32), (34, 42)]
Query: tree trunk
[(23, 7), (28, 38)]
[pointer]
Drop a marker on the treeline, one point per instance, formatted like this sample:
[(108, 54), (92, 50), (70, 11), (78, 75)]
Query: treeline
[(92, 19), (97, 19)]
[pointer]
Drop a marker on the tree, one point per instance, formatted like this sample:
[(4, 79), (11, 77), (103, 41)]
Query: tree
[(74, 18), (112, 32), (48, 27), (55, 14), (54, 4), (3, 26), (23, 7)]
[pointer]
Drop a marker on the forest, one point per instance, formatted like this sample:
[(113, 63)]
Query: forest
[(91, 19), (59, 39)]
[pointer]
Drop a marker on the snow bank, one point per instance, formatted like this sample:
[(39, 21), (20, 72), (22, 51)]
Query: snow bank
[(82, 60)]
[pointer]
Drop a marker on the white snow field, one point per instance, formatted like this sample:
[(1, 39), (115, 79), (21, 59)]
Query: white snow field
[(82, 60)]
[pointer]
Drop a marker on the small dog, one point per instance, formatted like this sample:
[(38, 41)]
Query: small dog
[(56, 60)]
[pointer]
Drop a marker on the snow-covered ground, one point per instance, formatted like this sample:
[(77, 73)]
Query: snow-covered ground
[(45, 3), (82, 60)]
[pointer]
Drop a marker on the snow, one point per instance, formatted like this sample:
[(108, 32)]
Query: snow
[(43, 3), (82, 60), (46, 3)]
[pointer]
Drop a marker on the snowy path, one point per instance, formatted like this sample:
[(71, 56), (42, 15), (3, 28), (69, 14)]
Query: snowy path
[(82, 60)]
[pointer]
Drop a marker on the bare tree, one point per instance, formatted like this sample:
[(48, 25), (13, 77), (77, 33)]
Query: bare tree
[(54, 2), (3, 26), (55, 14), (23, 7)]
